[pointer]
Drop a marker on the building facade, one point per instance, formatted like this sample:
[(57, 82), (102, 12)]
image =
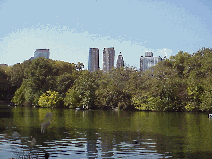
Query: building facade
[(108, 59), (148, 61), (93, 59), (41, 53), (120, 61)]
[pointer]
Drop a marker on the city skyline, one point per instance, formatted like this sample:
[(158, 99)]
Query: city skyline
[(146, 61), (161, 26)]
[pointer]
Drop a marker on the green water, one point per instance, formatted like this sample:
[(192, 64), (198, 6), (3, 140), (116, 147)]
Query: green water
[(105, 134)]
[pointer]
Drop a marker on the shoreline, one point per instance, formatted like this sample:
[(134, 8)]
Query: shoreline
[(9, 105)]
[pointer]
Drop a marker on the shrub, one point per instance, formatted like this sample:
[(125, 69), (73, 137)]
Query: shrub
[(50, 99)]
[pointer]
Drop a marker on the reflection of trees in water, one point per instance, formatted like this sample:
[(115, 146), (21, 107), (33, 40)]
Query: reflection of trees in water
[(26, 146), (91, 143), (178, 147), (84, 127), (92, 136), (21, 147), (44, 126), (47, 119), (107, 144), (120, 141), (117, 139)]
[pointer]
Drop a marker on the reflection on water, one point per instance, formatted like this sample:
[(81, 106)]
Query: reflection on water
[(104, 134), (46, 123), (77, 147)]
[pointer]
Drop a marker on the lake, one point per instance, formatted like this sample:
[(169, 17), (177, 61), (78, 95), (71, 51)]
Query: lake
[(103, 134)]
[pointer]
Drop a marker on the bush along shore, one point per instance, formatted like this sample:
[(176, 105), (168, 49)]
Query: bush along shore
[(181, 83)]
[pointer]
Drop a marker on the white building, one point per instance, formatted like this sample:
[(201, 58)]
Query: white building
[(148, 61), (41, 53)]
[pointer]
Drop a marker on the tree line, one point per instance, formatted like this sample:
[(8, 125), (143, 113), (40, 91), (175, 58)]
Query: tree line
[(181, 83)]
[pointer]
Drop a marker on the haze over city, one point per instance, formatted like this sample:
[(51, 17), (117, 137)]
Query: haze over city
[(69, 28)]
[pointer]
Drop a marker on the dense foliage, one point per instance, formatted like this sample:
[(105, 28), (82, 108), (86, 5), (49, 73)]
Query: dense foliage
[(4, 85), (181, 83), (50, 99), (42, 75)]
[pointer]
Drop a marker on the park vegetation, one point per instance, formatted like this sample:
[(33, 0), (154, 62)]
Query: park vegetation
[(181, 83)]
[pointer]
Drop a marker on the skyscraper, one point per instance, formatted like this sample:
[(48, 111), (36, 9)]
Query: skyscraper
[(120, 61), (93, 60), (41, 53), (108, 59), (148, 61)]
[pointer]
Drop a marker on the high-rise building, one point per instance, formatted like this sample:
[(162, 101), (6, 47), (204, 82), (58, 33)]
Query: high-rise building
[(108, 59), (93, 60), (120, 61), (41, 53), (148, 61)]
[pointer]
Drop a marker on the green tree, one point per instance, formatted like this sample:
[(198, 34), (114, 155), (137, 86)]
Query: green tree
[(16, 76), (179, 62), (115, 90), (163, 88), (84, 86), (39, 77), (4, 85), (64, 82), (50, 99), (65, 67), (199, 72), (19, 97), (79, 66), (72, 99)]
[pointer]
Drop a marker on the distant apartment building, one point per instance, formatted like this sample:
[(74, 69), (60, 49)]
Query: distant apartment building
[(120, 61), (41, 53), (148, 61), (93, 59), (108, 59)]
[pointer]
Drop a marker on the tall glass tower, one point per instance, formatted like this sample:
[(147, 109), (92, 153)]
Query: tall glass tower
[(93, 60), (108, 59)]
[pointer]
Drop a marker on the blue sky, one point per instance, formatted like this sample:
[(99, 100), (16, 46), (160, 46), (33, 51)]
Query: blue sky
[(69, 27)]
